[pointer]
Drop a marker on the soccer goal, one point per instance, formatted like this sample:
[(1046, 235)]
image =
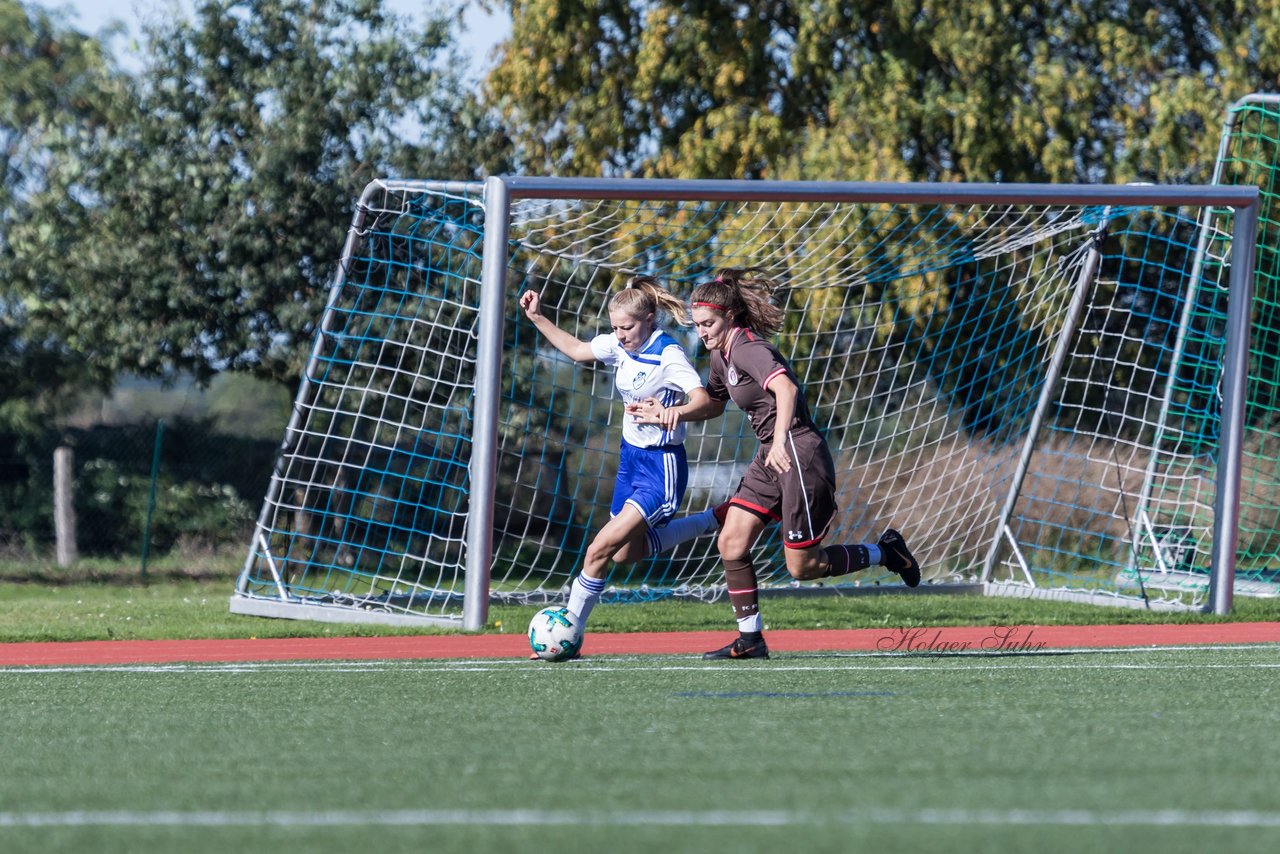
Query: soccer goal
[(1012, 375), (1248, 154)]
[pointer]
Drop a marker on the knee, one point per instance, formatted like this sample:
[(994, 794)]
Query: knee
[(805, 568), (732, 545)]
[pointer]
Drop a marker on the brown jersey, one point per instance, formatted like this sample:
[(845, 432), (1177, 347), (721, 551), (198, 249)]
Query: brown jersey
[(803, 499), (742, 372)]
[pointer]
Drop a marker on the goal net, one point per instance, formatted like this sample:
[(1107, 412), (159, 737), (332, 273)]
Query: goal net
[(1023, 379), (1173, 493)]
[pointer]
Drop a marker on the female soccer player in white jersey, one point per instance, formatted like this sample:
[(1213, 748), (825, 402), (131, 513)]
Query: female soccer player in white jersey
[(653, 470)]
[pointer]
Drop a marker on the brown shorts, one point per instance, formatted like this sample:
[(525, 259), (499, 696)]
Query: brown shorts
[(803, 500)]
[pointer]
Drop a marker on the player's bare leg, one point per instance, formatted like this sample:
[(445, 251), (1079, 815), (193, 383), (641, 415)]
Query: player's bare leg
[(619, 539)]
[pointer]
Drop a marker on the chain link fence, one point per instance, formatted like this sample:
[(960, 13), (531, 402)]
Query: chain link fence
[(154, 488)]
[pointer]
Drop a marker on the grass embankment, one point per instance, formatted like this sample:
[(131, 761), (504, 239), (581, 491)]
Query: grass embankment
[(199, 609)]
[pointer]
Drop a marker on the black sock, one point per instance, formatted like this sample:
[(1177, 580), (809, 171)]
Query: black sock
[(841, 560)]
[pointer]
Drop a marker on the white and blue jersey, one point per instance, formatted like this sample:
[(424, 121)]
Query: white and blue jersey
[(660, 369), (653, 470)]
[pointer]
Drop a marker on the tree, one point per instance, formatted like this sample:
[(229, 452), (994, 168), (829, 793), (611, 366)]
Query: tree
[(58, 92), (1062, 91), (663, 88), (1057, 90), (217, 209), (900, 90)]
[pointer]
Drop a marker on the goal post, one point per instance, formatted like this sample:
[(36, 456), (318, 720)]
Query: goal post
[(1248, 153), (982, 357)]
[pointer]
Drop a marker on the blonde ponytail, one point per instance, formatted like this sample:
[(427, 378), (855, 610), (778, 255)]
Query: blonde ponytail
[(646, 295)]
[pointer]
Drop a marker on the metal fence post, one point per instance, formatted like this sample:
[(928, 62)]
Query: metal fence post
[(151, 497)]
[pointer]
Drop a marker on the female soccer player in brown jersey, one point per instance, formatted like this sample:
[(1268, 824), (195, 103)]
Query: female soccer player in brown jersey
[(792, 479)]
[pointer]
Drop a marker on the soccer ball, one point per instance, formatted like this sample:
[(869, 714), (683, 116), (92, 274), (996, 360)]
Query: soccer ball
[(554, 634)]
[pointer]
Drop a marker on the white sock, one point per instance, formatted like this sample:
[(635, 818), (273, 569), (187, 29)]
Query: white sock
[(681, 530), (874, 555), (584, 593), (750, 624)]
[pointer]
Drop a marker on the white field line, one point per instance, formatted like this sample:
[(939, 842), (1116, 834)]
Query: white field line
[(833, 662), (631, 818)]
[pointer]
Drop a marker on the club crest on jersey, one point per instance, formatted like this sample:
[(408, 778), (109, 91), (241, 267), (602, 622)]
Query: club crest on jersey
[(733, 375), (638, 380)]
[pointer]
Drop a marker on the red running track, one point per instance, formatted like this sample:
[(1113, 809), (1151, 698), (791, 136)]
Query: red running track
[(925, 640)]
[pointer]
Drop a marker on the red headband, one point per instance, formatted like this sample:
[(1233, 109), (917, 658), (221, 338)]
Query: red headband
[(713, 305)]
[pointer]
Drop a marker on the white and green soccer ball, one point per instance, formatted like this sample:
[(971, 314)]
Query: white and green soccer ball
[(554, 634)]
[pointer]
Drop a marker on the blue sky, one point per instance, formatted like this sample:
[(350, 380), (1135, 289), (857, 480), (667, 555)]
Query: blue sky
[(483, 31)]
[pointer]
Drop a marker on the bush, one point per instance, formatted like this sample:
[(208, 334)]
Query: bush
[(207, 490), (112, 510)]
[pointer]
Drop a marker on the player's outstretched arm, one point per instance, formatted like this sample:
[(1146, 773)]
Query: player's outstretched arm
[(574, 348), (700, 407)]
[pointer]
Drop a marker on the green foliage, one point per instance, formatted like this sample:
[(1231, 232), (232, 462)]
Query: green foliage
[(26, 505), (198, 231), (649, 88), (207, 492), (113, 504), (1076, 90), (58, 93), (56, 89)]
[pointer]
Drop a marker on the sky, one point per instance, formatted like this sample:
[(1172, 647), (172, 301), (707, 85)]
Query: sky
[(483, 30)]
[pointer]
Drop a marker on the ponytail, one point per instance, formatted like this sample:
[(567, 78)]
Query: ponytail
[(646, 295), (743, 295)]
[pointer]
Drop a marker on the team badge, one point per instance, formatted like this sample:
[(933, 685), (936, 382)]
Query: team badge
[(638, 380), (733, 375)]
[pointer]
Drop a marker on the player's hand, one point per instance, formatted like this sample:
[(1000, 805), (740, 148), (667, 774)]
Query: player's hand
[(669, 418), (531, 302), (647, 411), (777, 458)]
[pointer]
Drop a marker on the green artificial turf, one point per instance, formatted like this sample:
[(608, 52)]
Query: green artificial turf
[(1137, 750)]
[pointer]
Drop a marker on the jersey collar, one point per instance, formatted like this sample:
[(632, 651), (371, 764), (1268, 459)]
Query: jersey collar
[(734, 334), (652, 338), (646, 350)]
